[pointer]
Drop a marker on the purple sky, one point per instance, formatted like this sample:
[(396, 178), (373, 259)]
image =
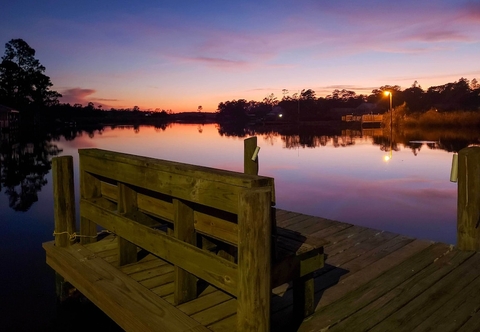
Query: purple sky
[(181, 54)]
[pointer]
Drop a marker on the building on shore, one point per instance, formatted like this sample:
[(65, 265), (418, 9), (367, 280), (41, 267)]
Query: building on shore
[(8, 118)]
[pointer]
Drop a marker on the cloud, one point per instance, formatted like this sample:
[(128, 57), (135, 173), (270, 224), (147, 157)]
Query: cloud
[(218, 62), (441, 35), (76, 95), (83, 96)]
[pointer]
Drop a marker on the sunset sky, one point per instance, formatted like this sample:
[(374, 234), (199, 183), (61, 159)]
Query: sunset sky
[(179, 55)]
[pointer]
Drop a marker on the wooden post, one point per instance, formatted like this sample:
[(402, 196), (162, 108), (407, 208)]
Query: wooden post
[(303, 297), (468, 204), (185, 283), (90, 187), (250, 166), (127, 203), (63, 200), (63, 214), (254, 260)]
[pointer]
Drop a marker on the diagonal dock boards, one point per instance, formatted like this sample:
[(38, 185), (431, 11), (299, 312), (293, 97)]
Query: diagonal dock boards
[(131, 305)]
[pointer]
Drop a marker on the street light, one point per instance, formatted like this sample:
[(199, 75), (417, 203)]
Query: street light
[(389, 93)]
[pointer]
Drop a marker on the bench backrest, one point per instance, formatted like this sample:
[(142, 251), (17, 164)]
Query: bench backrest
[(129, 194)]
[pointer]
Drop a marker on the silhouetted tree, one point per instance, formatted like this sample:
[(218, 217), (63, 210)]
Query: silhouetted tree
[(414, 97), (22, 78), (233, 111)]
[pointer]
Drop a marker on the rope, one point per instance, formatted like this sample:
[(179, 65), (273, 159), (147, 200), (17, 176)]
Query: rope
[(74, 235)]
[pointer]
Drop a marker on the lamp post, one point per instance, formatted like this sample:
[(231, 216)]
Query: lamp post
[(389, 93)]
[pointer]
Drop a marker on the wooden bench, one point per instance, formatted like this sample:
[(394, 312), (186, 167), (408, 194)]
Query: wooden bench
[(212, 225)]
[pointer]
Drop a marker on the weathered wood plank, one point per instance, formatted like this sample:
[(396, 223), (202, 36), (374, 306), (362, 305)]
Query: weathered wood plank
[(109, 191), (206, 224), (205, 302), (63, 200), (227, 324), (150, 273), (127, 203), (217, 313), (468, 204), (473, 324), (454, 313), (315, 224), (332, 283), (217, 228), (207, 186), (143, 265), (212, 174), (373, 289), (400, 297), (346, 234), (129, 304), (90, 187), (359, 248), (221, 273), (164, 290), (254, 260), (110, 242), (432, 298), (184, 230), (156, 207), (159, 280), (286, 216), (338, 283), (294, 219)]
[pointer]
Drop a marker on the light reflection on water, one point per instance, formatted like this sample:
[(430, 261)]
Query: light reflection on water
[(341, 177), (346, 179)]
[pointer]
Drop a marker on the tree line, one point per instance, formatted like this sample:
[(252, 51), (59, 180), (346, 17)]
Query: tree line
[(461, 95)]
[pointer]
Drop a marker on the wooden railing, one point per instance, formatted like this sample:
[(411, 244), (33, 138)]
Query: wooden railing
[(210, 224)]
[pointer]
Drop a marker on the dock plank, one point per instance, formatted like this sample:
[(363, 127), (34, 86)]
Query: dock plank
[(399, 297), (125, 301), (373, 289), (434, 297)]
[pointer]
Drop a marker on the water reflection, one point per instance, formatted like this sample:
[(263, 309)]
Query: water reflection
[(309, 136), (25, 161), (26, 155)]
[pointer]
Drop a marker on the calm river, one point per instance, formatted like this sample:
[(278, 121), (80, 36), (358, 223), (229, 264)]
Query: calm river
[(341, 175)]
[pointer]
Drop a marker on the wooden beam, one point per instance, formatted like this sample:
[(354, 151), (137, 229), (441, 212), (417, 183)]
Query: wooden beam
[(195, 171), (221, 273), (468, 204), (254, 260), (90, 187), (127, 203), (205, 224), (63, 200), (184, 230)]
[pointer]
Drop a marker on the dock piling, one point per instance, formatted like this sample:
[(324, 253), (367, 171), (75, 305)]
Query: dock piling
[(250, 166), (63, 200), (468, 204)]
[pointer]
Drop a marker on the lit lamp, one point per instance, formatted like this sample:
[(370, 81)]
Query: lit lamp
[(389, 93)]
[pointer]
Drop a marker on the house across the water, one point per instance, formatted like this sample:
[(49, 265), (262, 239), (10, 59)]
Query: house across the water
[(8, 118)]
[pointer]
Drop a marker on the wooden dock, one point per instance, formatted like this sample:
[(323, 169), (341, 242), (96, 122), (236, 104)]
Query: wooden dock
[(372, 280)]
